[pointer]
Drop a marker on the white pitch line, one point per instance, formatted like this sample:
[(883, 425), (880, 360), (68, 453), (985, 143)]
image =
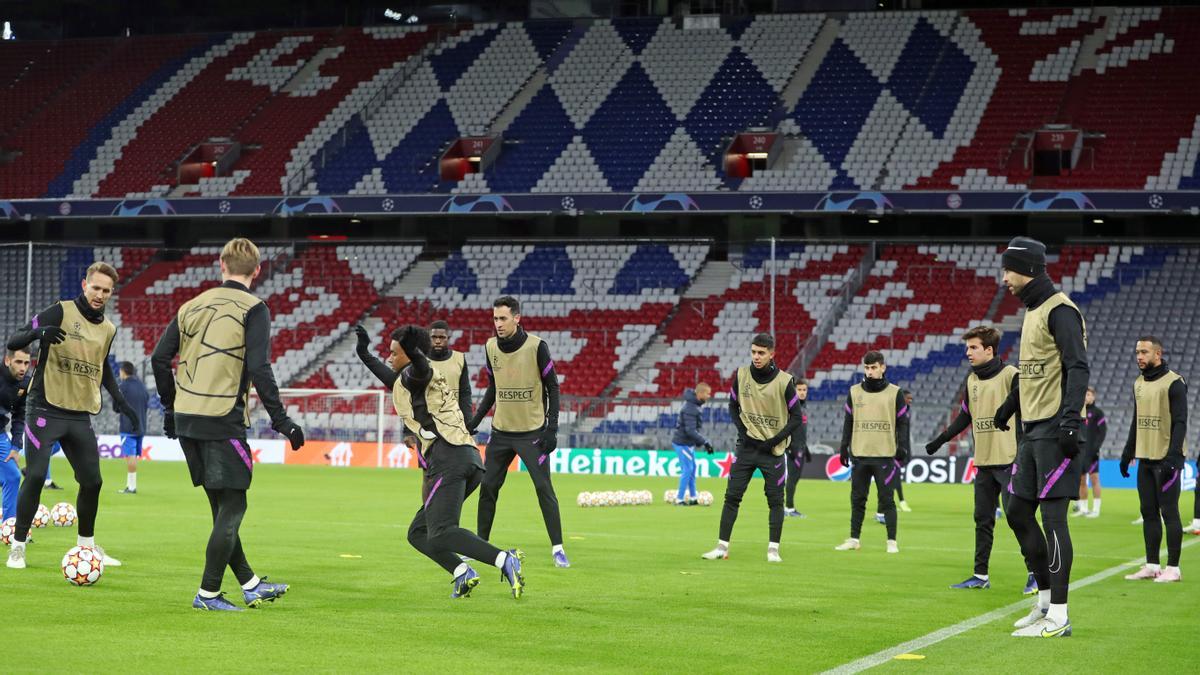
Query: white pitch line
[(882, 657)]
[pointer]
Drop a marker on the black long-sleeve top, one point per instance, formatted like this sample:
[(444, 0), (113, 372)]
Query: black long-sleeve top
[(1177, 398), (903, 447), (53, 316), (795, 419), (256, 371), (1066, 326), (545, 365)]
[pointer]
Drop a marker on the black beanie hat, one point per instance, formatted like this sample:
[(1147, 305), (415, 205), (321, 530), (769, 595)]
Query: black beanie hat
[(1025, 256)]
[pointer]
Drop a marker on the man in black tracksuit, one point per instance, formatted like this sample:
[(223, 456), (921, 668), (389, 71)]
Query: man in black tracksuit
[(74, 340), (984, 390), (797, 454), (223, 339), (1158, 440), (524, 388), (1049, 392), (1095, 430), (765, 409), (875, 446)]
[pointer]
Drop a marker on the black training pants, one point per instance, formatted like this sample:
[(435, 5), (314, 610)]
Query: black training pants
[(1158, 492), (744, 466), (79, 446), (454, 472), (991, 488), (1049, 554), (795, 466), (224, 543), (885, 471), (501, 450)]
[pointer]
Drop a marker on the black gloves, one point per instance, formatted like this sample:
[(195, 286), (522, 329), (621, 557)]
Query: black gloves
[(52, 334), (844, 456), (1174, 462), (807, 454), (1000, 420), (902, 455), (169, 423), (1068, 442), (364, 340), (750, 444), (932, 447), (409, 338), (293, 432), (708, 447), (1125, 466), (548, 441)]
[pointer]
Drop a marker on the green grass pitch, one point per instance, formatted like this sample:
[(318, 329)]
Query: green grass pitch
[(638, 599)]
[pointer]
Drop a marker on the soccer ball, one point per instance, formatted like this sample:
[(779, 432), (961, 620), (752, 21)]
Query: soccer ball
[(622, 498), (7, 529), (83, 566), (584, 499), (705, 498), (42, 517), (669, 497), (63, 515)]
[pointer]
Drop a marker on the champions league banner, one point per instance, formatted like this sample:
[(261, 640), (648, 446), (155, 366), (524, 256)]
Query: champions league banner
[(1169, 201)]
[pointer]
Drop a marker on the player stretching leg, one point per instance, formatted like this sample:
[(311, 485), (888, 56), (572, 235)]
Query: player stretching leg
[(1158, 439), (223, 339), (74, 338), (875, 434), (765, 408), (424, 398), (986, 389), (1050, 391)]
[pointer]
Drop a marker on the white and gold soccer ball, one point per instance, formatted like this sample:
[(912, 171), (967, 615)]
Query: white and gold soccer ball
[(83, 566), (705, 498), (584, 499), (669, 496), (7, 529), (63, 515), (42, 517)]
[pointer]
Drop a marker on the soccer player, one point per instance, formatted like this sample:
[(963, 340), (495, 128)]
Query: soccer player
[(131, 444), (797, 455), (1095, 426), (452, 364), (524, 387), (687, 438), (426, 401), (223, 339), (875, 435), (765, 408), (1158, 439), (74, 338), (1050, 394), (986, 389), (13, 386)]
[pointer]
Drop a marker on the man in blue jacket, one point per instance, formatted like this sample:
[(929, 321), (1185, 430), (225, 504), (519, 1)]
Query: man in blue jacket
[(131, 441), (687, 438)]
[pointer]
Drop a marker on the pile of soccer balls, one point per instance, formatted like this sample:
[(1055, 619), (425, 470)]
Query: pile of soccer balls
[(619, 498), (703, 498)]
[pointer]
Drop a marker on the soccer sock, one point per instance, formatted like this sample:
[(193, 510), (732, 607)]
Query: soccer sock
[(557, 548), (1057, 613), (723, 545), (250, 585), (501, 558), (1096, 505), (1173, 568), (131, 480), (981, 576), (209, 595), (19, 544), (773, 546), (1153, 567), (461, 570), (90, 542), (1043, 598)]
